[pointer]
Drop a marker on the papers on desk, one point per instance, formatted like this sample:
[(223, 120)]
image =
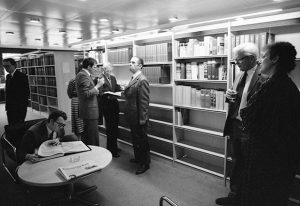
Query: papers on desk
[(47, 150), (118, 94), (78, 169)]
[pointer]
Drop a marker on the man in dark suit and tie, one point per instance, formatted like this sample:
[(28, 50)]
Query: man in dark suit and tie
[(137, 95), (52, 128), (244, 86), (87, 93), (109, 105), (17, 93)]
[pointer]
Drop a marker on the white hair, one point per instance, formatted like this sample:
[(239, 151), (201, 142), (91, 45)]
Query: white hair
[(246, 49)]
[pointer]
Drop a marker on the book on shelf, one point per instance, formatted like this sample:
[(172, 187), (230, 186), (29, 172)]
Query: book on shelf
[(78, 169), (118, 94), (50, 149)]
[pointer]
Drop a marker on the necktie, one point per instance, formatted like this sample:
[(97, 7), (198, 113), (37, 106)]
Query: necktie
[(239, 89), (51, 135)]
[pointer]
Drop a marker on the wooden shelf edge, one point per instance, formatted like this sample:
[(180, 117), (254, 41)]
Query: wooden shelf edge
[(200, 108), (201, 57), (202, 81), (200, 150), (205, 131)]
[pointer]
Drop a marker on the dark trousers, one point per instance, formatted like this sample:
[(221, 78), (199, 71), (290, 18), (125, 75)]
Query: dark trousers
[(90, 132), (238, 147), (140, 142), (111, 116), (16, 115)]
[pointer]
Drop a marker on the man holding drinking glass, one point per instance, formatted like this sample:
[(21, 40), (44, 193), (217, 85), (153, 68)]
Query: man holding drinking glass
[(244, 86)]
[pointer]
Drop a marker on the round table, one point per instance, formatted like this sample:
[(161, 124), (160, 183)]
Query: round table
[(44, 173)]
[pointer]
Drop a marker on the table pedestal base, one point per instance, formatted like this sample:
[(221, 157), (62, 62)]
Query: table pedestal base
[(74, 196)]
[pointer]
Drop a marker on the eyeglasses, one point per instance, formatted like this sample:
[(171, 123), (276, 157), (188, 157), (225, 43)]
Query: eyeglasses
[(240, 59), (60, 125)]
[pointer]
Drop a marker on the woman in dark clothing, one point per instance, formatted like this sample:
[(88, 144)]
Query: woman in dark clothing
[(272, 119)]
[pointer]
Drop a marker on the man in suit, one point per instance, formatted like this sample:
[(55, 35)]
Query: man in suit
[(244, 86), (17, 93), (137, 107), (87, 93), (52, 128), (109, 105)]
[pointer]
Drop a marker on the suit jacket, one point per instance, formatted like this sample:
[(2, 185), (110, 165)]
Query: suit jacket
[(34, 137), (111, 86), (255, 83), (137, 95), (17, 91), (87, 95)]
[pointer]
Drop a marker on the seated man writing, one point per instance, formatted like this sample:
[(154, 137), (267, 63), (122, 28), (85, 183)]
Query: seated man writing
[(50, 129)]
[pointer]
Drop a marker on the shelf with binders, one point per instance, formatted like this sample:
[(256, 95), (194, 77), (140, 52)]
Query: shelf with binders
[(200, 96), (211, 70), (157, 55), (119, 55)]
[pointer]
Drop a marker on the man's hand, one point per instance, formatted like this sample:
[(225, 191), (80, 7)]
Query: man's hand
[(100, 82), (54, 142), (32, 158)]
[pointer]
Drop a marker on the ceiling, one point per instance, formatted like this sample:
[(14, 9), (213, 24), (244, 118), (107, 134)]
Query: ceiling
[(64, 22)]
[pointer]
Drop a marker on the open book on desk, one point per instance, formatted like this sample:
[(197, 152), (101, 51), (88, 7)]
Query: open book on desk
[(78, 169), (118, 94), (47, 150)]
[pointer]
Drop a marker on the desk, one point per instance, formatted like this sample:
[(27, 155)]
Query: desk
[(44, 173)]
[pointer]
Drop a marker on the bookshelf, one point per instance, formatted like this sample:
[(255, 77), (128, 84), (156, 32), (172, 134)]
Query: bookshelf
[(48, 75), (199, 109)]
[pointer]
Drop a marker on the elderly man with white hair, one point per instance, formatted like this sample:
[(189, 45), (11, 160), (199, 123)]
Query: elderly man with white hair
[(110, 109), (244, 86)]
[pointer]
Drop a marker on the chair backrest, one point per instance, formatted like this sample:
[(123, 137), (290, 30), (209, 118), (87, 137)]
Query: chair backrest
[(15, 133)]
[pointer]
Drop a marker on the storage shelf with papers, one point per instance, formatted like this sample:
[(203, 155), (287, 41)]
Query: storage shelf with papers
[(200, 82), (46, 73), (157, 55)]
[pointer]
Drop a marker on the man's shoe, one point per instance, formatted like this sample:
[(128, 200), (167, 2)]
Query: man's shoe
[(116, 155), (230, 200), (143, 168), (133, 160)]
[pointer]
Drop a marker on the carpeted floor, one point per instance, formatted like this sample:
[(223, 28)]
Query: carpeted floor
[(119, 186)]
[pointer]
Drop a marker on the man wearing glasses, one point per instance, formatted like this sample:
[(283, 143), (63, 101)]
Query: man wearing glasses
[(244, 86), (52, 128)]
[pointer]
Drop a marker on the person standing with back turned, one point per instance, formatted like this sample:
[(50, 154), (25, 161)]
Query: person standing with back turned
[(17, 93), (244, 86), (137, 107), (87, 93)]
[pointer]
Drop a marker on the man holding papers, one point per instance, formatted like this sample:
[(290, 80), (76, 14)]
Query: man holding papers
[(110, 108), (50, 129)]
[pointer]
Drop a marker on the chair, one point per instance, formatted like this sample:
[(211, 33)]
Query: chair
[(166, 199), (10, 140)]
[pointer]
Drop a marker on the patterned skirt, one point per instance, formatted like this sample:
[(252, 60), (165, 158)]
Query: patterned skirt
[(77, 123)]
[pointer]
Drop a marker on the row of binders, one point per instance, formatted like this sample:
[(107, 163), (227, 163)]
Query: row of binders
[(202, 98), (209, 70), (155, 52), (157, 74), (206, 46), (218, 45), (120, 56)]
